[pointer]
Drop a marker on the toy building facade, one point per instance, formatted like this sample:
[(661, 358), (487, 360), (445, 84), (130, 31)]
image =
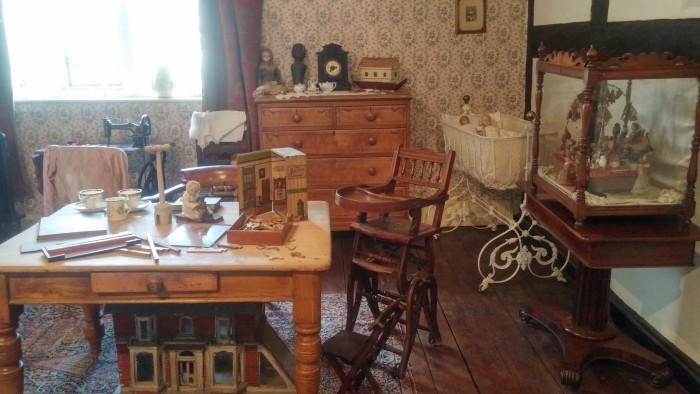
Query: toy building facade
[(273, 179), (211, 348)]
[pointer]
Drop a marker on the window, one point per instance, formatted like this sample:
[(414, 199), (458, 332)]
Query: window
[(224, 368), (146, 367), (101, 49), (223, 332), (186, 326), (145, 328)]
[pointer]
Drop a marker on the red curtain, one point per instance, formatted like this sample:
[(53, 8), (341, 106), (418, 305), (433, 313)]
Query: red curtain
[(7, 113), (230, 32)]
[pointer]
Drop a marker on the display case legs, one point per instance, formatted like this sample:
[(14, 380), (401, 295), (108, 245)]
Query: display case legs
[(587, 334)]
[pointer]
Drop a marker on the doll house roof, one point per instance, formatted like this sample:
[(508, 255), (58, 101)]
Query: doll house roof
[(380, 62)]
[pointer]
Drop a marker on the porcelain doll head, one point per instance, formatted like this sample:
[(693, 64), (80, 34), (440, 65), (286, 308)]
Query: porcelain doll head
[(486, 120), (192, 188), (265, 55)]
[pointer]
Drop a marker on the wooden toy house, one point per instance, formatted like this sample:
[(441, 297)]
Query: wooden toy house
[(273, 179), (211, 348), (379, 69)]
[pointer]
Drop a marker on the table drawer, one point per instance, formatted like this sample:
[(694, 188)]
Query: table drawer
[(153, 282), (291, 117), (337, 141), (372, 115), (350, 171)]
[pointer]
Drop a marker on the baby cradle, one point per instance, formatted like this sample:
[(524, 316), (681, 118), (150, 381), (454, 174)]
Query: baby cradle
[(496, 162), (497, 158)]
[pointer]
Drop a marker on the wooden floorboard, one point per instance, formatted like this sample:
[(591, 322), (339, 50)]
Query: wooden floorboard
[(486, 348)]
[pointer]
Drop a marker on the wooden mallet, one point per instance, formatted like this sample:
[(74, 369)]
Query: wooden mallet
[(162, 210)]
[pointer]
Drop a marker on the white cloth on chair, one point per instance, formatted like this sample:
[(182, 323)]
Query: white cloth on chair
[(217, 126), (70, 169)]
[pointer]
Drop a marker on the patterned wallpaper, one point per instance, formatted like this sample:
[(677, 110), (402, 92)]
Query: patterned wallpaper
[(441, 67), (42, 123)]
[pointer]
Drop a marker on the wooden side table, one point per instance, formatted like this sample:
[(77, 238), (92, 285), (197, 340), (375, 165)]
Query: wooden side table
[(586, 333)]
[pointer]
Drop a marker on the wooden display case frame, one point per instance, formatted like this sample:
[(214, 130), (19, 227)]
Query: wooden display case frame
[(592, 67)]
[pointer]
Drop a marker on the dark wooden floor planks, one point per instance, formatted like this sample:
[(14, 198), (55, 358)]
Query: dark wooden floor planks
[(486, 348)]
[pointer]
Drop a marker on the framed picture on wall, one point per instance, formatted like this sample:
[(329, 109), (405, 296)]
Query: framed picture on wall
[(470, 16)]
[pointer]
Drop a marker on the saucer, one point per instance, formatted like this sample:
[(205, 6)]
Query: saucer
[(143, 204), (313, 91), (82, 208)]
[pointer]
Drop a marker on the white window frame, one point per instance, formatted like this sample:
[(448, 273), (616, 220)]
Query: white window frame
[(151, 329), (158, 371), (229, 336), (238, 369)]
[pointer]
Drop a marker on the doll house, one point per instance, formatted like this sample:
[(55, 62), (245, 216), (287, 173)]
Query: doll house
[(212, 348), (379, 69), (382, 73), (273, 179)]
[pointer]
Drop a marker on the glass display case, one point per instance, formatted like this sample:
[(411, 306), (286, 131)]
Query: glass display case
[(628, 128)]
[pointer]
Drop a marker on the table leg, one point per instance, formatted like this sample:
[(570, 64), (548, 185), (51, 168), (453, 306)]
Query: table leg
[(307, 325), (587, 334), (11, 365), (93, 328)]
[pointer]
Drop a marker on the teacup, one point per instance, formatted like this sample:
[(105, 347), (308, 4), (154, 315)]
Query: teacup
[(299, 88), (313, 86), (133, 197), (327, 87), (117, 208), (91, 198)]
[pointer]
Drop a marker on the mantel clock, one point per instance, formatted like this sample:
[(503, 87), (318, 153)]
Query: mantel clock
[(333, 66)]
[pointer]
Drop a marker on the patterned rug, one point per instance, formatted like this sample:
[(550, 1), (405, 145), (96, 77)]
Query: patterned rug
[(57, 358)]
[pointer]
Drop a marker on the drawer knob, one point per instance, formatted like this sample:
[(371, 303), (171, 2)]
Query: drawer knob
[(372, 171), (296, 118), (298, 144), (371, 116), (155, 285), (371, 141)]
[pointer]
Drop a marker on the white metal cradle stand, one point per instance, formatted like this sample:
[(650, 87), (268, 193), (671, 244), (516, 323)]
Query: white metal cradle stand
[(497, 164), (518, 249)]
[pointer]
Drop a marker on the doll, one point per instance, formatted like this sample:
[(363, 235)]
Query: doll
[(486, 127), (267, 69), (193, 206), (298, 67)]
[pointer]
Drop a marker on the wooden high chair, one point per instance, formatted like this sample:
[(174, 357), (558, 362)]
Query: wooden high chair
[(401, 246)]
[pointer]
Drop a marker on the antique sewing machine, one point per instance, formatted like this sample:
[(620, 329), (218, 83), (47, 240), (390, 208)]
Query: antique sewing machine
[(139, 131)]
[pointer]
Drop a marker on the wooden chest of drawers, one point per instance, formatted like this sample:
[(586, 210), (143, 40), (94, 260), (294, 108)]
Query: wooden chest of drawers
[(348, 139)]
